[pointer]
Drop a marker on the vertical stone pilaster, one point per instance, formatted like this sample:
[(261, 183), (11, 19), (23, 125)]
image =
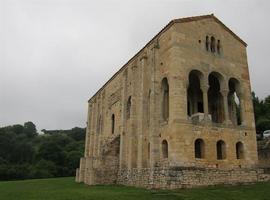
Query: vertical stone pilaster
[(87, 136), (177, 83), (94, 134), (99, 133), (155, 115), (141, 111), (84, 167), (95, 129), (91, 146), (88, 161), (123, 137), (122, 151), (132, 154), (82, 170)]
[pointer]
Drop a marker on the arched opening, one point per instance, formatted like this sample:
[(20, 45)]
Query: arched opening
[(165, 99), (128, 107), (164, 149), (218, 47), (234, 102), (207, 43), (199, 148), (239, 150), (213, 44), (113, 123), (221, 150), (215, 99), (194, 93)]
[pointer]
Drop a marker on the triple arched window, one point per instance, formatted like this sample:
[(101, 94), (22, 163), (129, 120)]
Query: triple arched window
[(212, 45)]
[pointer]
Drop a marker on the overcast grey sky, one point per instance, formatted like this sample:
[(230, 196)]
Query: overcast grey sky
[(55, 54)]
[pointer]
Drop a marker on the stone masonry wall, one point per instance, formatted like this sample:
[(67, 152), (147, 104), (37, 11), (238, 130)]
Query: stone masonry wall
[(182, 177), (126, 127), (264, 157)]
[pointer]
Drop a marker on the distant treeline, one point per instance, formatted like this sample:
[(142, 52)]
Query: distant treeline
[(25, 154), (262, 113)]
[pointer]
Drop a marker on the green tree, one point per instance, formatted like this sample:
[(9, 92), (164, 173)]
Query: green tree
[(18, 129), (30, 129), (25, 154), (78, 133), (22, 152), (73, 161), (44, 169), (262, 113)]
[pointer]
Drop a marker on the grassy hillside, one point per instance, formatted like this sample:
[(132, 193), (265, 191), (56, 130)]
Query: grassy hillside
[(67, 189)]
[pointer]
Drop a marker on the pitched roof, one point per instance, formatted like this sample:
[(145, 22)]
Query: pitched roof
[(196, 18), (172, 22)]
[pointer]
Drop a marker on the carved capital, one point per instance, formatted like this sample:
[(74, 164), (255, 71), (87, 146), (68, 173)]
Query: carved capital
[(205, 87), (224, 92)]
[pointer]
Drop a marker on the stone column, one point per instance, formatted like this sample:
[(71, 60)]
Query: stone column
[(224, 94), (204, 89)]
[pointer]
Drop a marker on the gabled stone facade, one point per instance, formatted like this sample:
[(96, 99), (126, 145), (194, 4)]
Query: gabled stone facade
[(178, 114)]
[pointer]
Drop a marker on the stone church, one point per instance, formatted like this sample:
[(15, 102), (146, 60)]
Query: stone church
[(178, 114)]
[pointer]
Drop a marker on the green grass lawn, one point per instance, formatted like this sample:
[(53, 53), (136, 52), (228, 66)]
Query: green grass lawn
[(67, 189)]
